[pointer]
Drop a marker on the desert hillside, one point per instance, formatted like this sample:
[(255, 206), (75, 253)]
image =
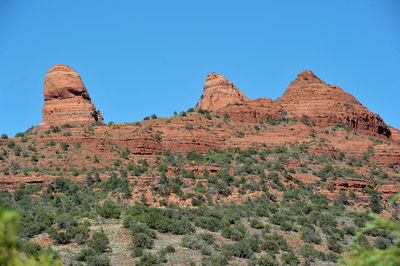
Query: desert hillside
[(232, 180)]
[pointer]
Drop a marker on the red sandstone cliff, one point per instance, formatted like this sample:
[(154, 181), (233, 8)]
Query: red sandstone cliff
[(219, 92), (66, 99), (307, 98)]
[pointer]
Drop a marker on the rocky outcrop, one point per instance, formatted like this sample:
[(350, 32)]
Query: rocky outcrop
[(307, 98), (218, 93), (66, 99)]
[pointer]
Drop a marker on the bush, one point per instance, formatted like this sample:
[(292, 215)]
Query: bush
[(206, 238), (290, 258), (64, 146), (98, 261), (308, 252), (188, 241), (109, 210), (169, 249), (256, 224), (99, 242), (137, 252), (266, 260), (148, 259), (85, 253), (271, 246), (137, 228), (31, 248), (334, 245), (4, 136), (142, 240), (10, 250), (81, 234), (310, 236), (245, 248), (62, 237), (382, 243)]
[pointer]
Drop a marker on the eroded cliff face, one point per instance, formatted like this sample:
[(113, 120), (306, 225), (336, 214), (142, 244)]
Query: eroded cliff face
[(66, 99), (218, 93), (307, 98), (326, 105)]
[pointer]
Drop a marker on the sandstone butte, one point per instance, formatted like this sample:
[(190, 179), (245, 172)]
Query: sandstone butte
[(66, 99)]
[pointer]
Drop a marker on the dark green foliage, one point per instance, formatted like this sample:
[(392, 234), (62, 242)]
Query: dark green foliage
[(109, 210), (245, 248), (310, 253), (290, 258), (334, 245), (64, 146), (309, 235), (148, 259), (256, 224), (267, 260), (31, 248), (169, 249), (80, 234), (137, 252), (375, 204), (382, 242), (98, 261), (142, 240), (273, 243), (99, 242)]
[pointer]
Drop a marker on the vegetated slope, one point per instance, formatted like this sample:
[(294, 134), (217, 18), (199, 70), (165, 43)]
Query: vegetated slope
[(247, 181)]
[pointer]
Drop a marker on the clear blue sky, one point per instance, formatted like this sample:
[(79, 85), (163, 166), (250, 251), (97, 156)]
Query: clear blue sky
[(137, 58)]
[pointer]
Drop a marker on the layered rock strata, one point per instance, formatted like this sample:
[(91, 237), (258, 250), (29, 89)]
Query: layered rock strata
[(66, 99)]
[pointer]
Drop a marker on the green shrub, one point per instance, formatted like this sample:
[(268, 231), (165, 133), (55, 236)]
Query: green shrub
[(142, 240), (169, 249), (109, 210), (290, 258), (308, 252), (80, 234), (382, 243), (245, 248), (31, 248), (98, 261), (334, 245), (137, 252), (265, 260), (309, 235), (85, 253), (148, 259), (99, 242), (256, 224), (191, 242), (64, 146)]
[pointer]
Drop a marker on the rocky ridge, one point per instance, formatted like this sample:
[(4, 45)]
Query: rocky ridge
[(307, 98)]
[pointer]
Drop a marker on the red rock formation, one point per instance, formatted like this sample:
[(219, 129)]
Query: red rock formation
[(66, 99), (218, 93), (307, 98)]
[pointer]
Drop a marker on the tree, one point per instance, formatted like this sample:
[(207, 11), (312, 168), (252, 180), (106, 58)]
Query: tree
[(109, 210), (99, 242), (361, 255), (10, 252)]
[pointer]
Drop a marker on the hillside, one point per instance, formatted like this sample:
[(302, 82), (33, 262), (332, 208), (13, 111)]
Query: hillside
[(232, 180)]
